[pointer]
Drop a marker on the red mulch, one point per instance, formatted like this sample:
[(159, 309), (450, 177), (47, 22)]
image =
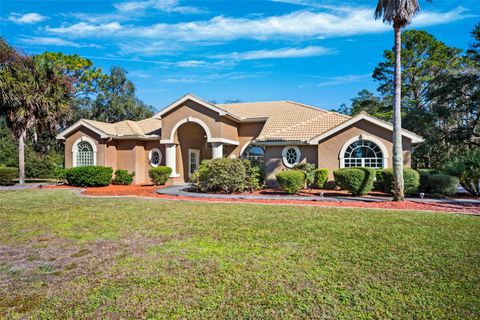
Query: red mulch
[(149, 191)]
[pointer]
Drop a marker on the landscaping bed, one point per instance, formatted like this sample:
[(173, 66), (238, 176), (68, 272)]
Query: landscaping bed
[(150, 191)]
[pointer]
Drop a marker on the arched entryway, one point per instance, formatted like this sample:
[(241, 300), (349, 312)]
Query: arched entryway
[(192, 148)]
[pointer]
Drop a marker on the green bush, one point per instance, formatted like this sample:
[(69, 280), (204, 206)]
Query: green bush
[(320, 178), (123, 177), (89, 176), (59, 174), (358, 181), (424, 178), (443, 184), (291, 181), (411, 181), (7, 174), (309, 170), (226, 175), (466, 167), (378, 183), (160, 175)]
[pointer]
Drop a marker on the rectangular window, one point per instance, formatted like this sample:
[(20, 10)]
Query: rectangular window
[(193, 160)]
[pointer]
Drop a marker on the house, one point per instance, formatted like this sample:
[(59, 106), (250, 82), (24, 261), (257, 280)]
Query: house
[(276, 135)]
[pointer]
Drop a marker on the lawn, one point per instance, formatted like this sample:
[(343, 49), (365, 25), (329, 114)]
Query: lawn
[(62, 256)]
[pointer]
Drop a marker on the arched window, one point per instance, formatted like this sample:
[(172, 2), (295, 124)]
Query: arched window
[(85, 154), (291, 156), (255, 154), (363, 153), (155, 157)]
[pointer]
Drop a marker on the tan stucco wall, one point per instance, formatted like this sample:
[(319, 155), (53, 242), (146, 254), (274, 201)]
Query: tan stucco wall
[(329, 149), (274, 162), (246, 133), (149, 145), (84, 132), (219, 128)]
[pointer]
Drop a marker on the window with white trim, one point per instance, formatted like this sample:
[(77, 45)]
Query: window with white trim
[(84, 154), (255, 154), (291, 156), (155, 157), (363, 153)]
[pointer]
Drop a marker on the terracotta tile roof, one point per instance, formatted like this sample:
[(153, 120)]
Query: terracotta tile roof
[(144, 127), (287, 120)]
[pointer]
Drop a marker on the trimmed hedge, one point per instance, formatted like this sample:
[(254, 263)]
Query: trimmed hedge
[(309, 170), (123, 177), (378, 183), (321, 178), (7, 174), (411, 181), (443, 185), (160, 175), (358, 181), (89, 176), (424, 177), (226, 175), (291, 181)]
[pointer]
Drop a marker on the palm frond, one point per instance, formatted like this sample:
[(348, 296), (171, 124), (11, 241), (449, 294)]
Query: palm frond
[(398, 12)]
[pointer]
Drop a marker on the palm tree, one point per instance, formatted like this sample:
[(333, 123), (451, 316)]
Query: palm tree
[(34, 95), (400, 14)]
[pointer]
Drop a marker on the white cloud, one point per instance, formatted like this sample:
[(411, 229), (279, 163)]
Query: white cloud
[(333, 81), (54, 41), (310, 51), (162, 5), (27, 18), (344, 21)]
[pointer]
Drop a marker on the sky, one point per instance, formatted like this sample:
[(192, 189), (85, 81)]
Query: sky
[(315, 52)]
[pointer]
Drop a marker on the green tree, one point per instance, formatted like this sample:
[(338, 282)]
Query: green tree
[(400, 14), (116, 100), (366, 101), (34, 95)]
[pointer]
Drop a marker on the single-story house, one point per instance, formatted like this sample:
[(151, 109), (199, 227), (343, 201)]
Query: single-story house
[(275, 135)]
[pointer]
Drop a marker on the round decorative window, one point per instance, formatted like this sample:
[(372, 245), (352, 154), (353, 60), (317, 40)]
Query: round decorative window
[(155, 157), (291, 156)]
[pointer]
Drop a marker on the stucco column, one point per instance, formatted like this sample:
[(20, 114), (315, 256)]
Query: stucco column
[(217, 150), (171, 159)]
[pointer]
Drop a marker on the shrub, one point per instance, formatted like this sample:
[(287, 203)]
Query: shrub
[(291, 181), (321, 178), (424, 178), (160, 175), (226, 175), (59, 174), (411, 181), (378, 183), (443, 184), (358, 181), (7, 174), (123, 177), (466, 167), (89, 176), (309, 170)]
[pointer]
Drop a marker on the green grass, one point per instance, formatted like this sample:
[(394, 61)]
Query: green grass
[(62, 256)]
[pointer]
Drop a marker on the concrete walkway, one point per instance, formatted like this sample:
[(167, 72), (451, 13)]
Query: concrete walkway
[(25, 186), (181, 190)]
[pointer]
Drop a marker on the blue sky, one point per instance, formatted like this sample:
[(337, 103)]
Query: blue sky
[(316, 52)]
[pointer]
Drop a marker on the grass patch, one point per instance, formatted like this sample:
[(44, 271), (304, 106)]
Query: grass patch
[(133, 258)]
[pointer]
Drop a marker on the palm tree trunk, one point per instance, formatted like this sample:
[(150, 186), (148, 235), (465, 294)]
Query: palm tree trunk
[(21, 157), (397, 120)]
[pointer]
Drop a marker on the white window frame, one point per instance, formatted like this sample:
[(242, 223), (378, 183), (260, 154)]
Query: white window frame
[(284, 156), (75, 150), (150, 157), (197, 152), (369, 138)]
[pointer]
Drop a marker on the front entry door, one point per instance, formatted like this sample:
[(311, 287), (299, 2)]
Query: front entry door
[(193, 161)]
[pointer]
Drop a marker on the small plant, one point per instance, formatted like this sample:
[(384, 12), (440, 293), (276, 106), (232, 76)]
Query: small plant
[(7, 174), (321, 178), (123, 177), (424, 178), (309, 170), (59, 174), (443, 185), (160, 175), (89, 176), (411, 180), (291, 181), (358, 181), (378, 182), (466, 167)]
